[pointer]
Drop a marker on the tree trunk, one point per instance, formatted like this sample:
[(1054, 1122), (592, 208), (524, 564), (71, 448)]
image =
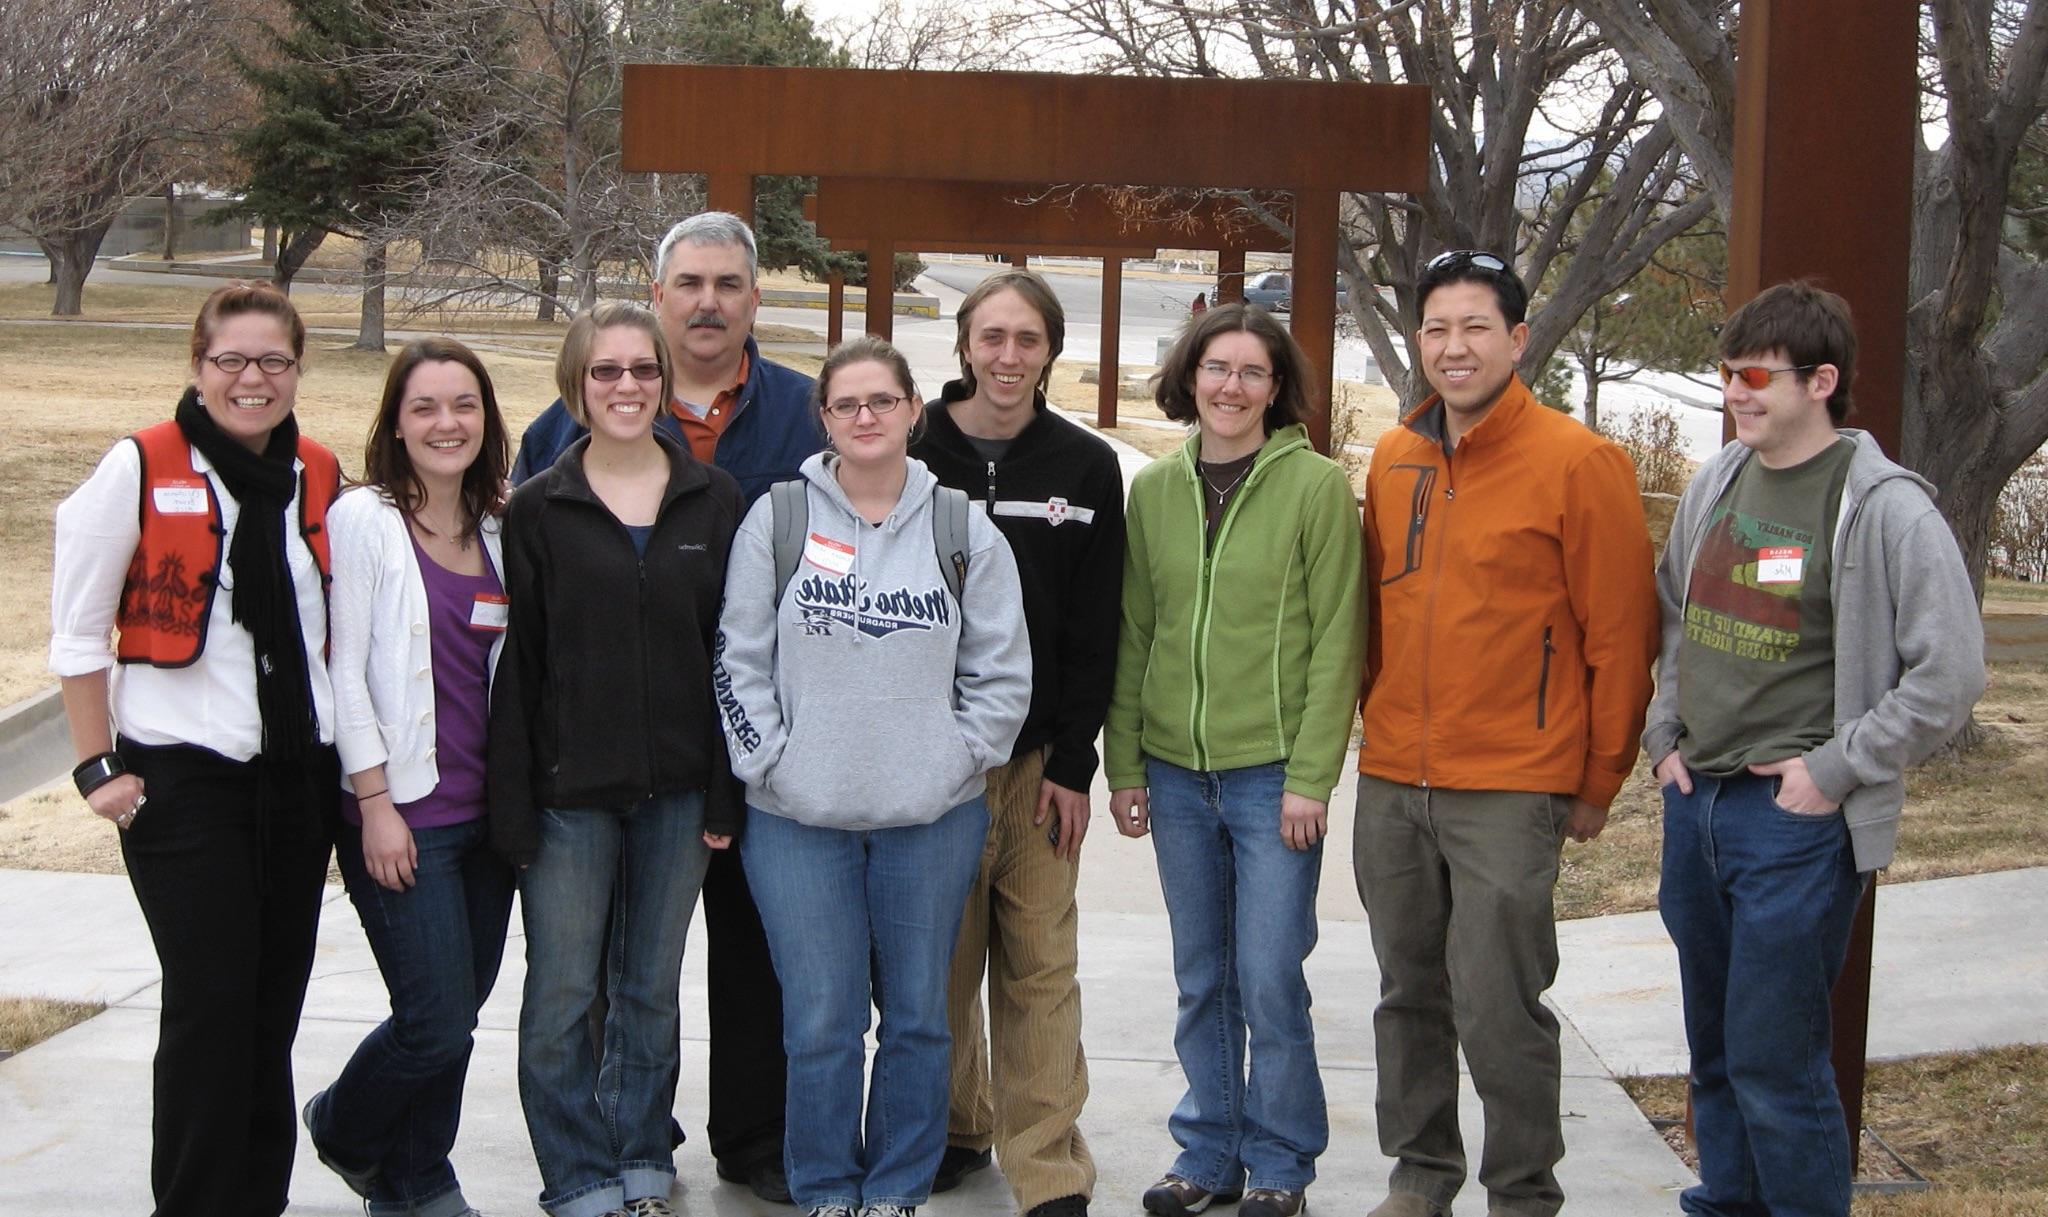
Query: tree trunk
[(292, 256), (170, 220), (550, 287), (1592, 403), (370, 333), (71, 257), (269, 242)]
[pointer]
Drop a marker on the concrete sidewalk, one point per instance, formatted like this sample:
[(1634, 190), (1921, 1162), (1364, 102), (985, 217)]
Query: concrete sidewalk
[(75, 1108)]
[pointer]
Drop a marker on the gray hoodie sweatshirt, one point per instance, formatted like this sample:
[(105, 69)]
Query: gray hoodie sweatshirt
[(1909, 642), (868, 697)]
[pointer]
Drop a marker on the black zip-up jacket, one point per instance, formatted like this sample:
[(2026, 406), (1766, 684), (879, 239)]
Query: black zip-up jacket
[(1057, 494), (603, 692)]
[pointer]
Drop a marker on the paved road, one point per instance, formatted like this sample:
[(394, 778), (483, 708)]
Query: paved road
[(1147, 303)]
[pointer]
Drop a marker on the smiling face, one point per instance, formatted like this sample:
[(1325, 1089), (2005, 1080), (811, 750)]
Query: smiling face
[(706, 299), (1232, 414), (622, 410), (868, 439), (250, 403), (1787, 420), (1007, 351), (441, 421), (1469, 350)]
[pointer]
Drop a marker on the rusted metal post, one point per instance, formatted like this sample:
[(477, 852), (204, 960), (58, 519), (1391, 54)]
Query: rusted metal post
[(1807, 72), (881, 289), (835, 308), (1314, 315), (732, 192), (1229, 275), (1020, 260), (1108, 370)]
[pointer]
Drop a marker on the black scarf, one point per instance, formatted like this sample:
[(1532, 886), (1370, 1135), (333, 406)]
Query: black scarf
[(263, 598)]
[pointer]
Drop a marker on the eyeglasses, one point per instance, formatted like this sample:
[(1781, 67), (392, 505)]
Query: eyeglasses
[(645, 370), (1253, 379), (232, 362), (1759, 379), (1452, 259), (879, 404)]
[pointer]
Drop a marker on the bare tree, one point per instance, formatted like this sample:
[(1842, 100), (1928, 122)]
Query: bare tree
[(935, 35), (1976, 395), (1540, 142), (98, 100)]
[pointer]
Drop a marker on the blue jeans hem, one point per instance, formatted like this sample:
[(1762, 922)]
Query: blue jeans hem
[(644, 1179), (447, 1202), (590, 1200)]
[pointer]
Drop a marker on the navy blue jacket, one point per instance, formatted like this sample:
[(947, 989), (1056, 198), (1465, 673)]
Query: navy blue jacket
[(770, 434)]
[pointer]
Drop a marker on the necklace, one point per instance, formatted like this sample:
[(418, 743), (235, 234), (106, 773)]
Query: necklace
[(1220, 492)]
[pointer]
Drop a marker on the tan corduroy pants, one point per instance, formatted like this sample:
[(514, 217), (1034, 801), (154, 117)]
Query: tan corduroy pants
[(1019, 927)]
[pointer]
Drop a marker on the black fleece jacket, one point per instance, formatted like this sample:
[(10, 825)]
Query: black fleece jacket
[(1057, 494), (603, 692)]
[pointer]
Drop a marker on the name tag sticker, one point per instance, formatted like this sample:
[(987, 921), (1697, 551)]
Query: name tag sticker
[(490, 613), (180, 498), (827, 554), (1780, 564)]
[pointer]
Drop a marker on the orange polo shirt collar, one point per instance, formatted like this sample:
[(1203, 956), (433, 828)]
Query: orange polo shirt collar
[(703, 433)]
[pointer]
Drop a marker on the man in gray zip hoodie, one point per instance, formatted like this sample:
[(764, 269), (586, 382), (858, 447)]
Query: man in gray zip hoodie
[(1820, 635)]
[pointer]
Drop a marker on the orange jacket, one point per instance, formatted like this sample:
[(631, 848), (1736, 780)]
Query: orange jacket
[(1512, 613)]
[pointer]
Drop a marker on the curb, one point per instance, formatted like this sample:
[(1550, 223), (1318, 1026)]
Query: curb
[(35, 743)]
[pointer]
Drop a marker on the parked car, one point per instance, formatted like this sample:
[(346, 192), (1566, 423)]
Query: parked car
[(1271, 290)]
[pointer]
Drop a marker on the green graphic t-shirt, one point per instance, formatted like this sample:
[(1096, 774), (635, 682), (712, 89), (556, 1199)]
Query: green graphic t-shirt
[(1756, 670)]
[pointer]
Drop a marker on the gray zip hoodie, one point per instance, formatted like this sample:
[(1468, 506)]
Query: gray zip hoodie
[(1909, 642), (868, 697)]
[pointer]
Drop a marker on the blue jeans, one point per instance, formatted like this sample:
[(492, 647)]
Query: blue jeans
[(1759, 901), (601, 1129), (398, 1101), (855, 917), (1238, 964)]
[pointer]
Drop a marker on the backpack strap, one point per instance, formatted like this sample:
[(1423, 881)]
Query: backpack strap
[(790, 509), (949, 536)]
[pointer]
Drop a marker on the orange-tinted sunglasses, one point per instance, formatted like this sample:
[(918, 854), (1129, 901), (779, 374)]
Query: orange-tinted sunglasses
[(1759, 379)]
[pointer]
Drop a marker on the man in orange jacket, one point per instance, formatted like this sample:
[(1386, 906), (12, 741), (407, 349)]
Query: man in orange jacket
[(1512, 627)]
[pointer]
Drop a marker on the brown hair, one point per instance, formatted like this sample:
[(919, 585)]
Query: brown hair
[(233, 300), (1173, 386), (1806, 321), (388, 466), (574, 359), (1037, 293), (866, 348)]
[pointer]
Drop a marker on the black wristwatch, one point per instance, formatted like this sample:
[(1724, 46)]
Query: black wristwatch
[(96, 771)]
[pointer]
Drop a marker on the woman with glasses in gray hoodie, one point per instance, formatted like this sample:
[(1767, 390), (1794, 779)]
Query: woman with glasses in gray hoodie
[(863, 700)]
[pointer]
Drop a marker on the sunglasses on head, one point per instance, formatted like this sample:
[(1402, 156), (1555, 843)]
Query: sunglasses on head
[(1452, 259), (1759, 379)]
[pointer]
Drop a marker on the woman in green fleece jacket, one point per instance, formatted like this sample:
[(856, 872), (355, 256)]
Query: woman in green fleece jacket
[(1237, 679)]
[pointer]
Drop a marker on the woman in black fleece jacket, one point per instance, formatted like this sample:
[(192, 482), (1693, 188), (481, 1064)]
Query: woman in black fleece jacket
[(608, 776)]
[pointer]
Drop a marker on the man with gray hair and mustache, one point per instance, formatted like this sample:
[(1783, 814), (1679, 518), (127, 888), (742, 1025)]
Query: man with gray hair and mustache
[(750, 417)]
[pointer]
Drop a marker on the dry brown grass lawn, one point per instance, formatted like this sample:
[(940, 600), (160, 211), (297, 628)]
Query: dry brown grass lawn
[(27, 1021), (1974, 1123)]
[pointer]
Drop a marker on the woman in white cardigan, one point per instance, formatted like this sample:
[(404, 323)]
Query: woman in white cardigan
[(418, 614)]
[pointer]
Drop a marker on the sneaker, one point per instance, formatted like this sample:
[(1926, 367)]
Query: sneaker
[(1272, 1202), (1065, 1206), (830, 1210), (763, 1177), (1174, 1196), (956, 1164), (358, 1181), (1407, 1204), (889, 1210), (649, 1206)]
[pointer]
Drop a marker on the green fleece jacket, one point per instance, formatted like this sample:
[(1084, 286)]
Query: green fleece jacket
[(1247, 652)]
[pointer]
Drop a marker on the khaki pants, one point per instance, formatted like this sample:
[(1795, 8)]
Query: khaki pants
[(1020, 925), (1457, 885)]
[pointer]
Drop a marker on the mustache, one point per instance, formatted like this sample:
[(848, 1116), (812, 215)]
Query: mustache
[(708, 321)]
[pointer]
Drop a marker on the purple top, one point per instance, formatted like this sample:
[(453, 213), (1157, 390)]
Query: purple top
[(462, 681)]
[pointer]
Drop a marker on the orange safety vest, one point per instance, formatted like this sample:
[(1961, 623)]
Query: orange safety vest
[(168, 597)]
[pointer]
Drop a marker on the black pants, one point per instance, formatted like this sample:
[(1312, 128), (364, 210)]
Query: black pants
[(748, 1069), (228, 868)]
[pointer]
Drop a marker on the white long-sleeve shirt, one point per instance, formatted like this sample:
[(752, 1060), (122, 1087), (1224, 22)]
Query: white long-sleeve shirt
[(211, 703)]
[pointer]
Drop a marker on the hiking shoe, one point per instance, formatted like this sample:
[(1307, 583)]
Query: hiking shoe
[(358, 1181), (956, 1164), (1065, 1206), (1407, 1204), (1272, 1202), (763, 1177), (649, 1206), (1174, 1196)]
